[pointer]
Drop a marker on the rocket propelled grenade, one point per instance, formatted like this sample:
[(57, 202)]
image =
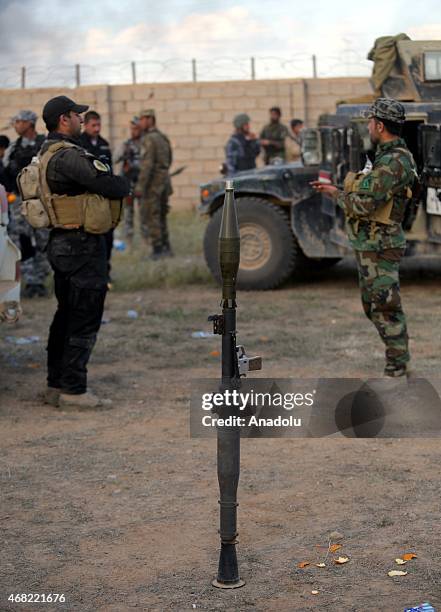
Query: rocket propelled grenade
[(235, 363), (229, 246)]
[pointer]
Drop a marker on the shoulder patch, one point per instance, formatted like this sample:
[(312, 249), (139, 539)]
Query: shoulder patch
[(366, 182), (99, 165)]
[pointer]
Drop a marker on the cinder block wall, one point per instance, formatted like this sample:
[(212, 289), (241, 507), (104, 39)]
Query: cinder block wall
[(196, 116)]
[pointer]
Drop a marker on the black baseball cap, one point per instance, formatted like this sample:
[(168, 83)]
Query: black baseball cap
[(55, 107)]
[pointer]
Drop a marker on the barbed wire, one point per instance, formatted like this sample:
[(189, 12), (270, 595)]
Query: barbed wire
[(301, 65)]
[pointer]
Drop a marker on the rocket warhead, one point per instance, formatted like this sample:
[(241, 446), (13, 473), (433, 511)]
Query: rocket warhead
[(229, 244)]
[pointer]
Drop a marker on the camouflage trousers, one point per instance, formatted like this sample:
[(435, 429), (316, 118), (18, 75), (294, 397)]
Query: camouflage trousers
[(129, 211), (34, 265), (129, 216), (378, 274), (153, 210)]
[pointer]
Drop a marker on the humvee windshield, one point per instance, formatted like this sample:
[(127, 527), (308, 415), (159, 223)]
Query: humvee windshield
[(311, 147)]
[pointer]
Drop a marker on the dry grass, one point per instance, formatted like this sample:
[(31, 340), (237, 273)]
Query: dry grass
[(133, 270)]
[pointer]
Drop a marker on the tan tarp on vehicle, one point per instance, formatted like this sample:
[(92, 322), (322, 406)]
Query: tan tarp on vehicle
[(384, 55)]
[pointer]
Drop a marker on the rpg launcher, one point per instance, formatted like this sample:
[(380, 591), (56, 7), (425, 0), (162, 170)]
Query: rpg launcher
[(235, 363)]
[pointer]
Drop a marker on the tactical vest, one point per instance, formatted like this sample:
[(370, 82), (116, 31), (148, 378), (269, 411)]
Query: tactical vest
[(94, 213), (246, 158), (383, 212)]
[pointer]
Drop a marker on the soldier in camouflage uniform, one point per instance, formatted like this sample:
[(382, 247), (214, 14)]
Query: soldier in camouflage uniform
[(272, 137), (154, 184), (32, 242), (130, 158), (374, 202)]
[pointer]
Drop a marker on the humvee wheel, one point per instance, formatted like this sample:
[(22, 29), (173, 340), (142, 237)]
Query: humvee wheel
[(268, 249), (255, 246)]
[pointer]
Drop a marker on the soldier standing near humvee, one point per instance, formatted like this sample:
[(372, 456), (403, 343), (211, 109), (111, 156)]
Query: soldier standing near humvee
[(242, 147), (374, 202), (272, 137)]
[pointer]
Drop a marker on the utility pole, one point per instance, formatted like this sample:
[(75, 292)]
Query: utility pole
[(253, 68)]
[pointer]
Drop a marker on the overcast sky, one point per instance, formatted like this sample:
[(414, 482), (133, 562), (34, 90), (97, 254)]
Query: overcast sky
[(221, 35)]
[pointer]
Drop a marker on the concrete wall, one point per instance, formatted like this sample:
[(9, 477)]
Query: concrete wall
[(196, 116)]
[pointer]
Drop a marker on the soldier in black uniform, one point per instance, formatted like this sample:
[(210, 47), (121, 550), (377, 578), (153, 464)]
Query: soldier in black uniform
[(92, 141), (242, 147), (91, 138), (32, 242), (77, 257)]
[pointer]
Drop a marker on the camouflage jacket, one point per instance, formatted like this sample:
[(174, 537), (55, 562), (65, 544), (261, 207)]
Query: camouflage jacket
[(155, 160), (276, 132), (130, 158), (393, 171)]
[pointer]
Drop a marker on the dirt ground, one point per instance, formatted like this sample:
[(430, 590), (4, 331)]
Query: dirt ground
[(118, 509)]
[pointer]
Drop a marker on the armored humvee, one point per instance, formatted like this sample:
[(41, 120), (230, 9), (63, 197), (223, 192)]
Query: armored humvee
[(285, 227)]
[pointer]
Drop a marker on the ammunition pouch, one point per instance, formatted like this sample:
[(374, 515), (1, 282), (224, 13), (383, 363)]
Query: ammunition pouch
[(32, 208), (35, 213), (116, 208), (94, 213)]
